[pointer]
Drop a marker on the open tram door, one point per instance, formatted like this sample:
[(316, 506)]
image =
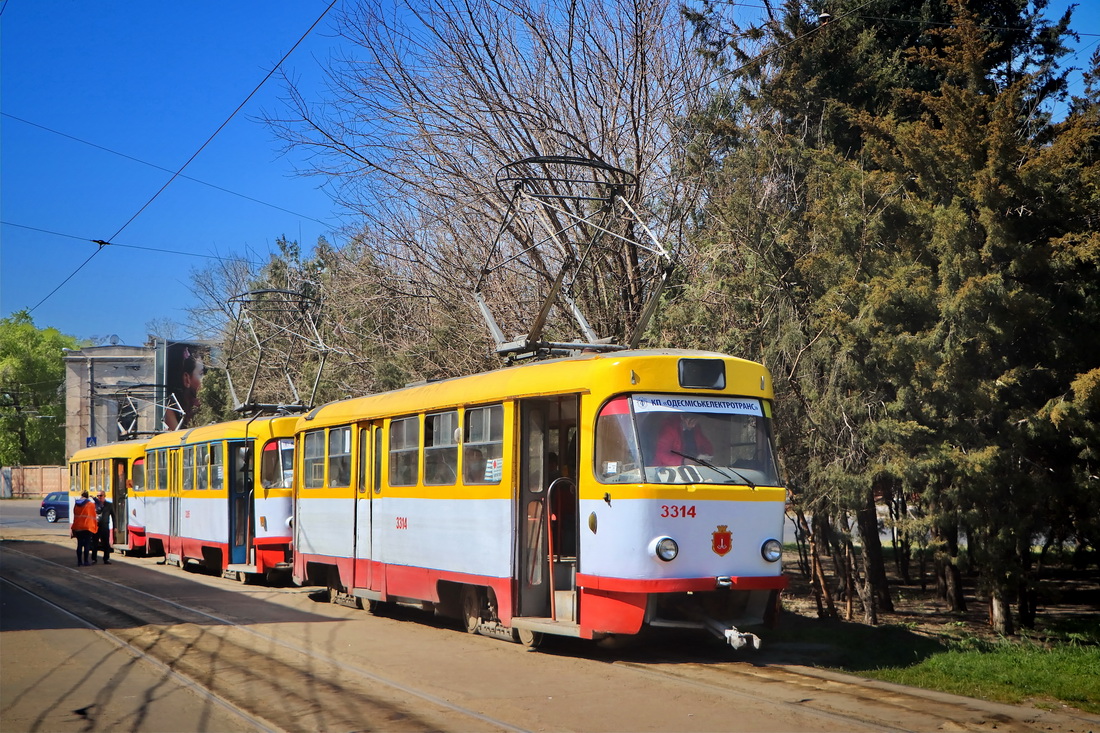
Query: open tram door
[(241, 503), (546, 565), (119, 496)]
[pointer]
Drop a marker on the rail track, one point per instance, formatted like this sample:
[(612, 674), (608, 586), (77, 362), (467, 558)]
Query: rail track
[(246, 658)]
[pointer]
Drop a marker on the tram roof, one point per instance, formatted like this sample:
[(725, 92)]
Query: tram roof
[(119, 449), (583, 374), (261, 427)]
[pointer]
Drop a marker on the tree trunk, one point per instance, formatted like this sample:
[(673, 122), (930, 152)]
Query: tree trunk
[(863, 586), (1000, 613), (874, 567), (948, 579), (824, 599)]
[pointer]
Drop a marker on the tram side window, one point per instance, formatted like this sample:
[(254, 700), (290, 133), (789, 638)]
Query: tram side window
[(313, 460), (217, 468), (339, 457), (404, 450), (277, 464), (483, 449), (441, 449), (202, 466), (162, 470), (74, 478), (188, 468), (137, 475)]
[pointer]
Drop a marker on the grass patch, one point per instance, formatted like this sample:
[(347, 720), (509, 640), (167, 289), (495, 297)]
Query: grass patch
[(1013, 672), (1007, 672)]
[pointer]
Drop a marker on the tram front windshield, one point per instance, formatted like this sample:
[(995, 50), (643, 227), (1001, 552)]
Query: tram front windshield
[(685, 439)]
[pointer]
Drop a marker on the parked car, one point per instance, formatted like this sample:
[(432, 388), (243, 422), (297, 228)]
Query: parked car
[(55, 506)]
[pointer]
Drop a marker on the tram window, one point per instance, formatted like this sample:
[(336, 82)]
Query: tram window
[(339, 457), (364, 446), (217, 470), (188, 468), (277, 464), (441, 449), (74, 477), (202, 466), (313, 460), (483, 449), (137, 475), (404, 449), (162, 470), (616, 448)]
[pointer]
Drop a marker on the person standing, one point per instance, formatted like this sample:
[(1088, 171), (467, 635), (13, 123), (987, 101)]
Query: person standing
[(106, 516), (85, 526)]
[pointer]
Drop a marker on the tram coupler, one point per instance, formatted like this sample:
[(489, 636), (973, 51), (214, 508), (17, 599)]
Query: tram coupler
[(735, 638), (495, 630), (344, 599)]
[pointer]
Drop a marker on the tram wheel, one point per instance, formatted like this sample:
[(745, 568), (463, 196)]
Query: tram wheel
[(471, 607), (527, 637)]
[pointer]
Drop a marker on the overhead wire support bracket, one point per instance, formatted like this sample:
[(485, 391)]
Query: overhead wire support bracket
[(583, 208)]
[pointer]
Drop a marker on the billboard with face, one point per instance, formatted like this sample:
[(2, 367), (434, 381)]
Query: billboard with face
[(184, 366)]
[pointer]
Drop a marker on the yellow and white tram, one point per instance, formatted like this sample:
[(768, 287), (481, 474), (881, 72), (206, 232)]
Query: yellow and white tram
[(590, 496), (207, 500)]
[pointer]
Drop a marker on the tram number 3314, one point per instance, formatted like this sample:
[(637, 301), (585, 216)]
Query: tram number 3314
[(676, 511), (402, 522)]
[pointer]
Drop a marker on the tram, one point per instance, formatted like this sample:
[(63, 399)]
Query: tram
[(118, 470), (591, 496), (207, 501)]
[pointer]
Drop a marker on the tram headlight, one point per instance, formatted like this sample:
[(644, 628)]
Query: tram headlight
[(665, 548), (771, 550)]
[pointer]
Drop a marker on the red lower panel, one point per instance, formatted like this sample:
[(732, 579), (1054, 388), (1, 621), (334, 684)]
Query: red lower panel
[(610, 612), (268, 556), (192, 549), (678, 585), (403, 581)]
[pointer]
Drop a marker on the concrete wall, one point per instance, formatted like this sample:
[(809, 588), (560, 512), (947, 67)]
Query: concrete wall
[(25, 482)]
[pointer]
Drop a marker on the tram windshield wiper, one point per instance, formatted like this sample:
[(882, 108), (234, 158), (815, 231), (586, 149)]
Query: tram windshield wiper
[(708, 464)]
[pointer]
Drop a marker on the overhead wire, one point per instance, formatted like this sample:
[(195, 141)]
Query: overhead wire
[(160, 168), (100, 242), (179, 171)]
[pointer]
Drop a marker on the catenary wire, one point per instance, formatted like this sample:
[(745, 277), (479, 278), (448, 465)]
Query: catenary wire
[(179, 171), (160, 168)]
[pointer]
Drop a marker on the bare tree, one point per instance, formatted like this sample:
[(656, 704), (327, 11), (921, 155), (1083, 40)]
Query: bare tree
[(440, 94)]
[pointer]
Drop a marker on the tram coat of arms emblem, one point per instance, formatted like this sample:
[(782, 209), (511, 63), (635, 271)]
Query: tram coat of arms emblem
[(721, 540)]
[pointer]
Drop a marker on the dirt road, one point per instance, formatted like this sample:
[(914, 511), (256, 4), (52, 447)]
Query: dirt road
[(288, 661)]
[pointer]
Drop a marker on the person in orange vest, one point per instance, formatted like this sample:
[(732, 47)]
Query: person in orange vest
[(85, 526)]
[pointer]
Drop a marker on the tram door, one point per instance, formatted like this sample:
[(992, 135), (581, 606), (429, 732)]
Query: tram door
[(547, 508), (367, 483), (175, 501), (118, 496), (135, 482), (240, 502)]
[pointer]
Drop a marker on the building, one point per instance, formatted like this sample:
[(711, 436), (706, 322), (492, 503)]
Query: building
[(110, 393)]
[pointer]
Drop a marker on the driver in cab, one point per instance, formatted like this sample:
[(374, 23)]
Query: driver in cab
[(682, 436)]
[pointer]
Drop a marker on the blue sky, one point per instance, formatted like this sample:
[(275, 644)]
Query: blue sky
[(153, 81)]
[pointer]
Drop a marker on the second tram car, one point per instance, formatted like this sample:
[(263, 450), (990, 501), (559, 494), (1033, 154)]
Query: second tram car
[(221, 495), (590, 496)]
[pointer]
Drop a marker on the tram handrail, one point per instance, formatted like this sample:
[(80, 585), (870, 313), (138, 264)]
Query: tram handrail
[(549, 514)]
